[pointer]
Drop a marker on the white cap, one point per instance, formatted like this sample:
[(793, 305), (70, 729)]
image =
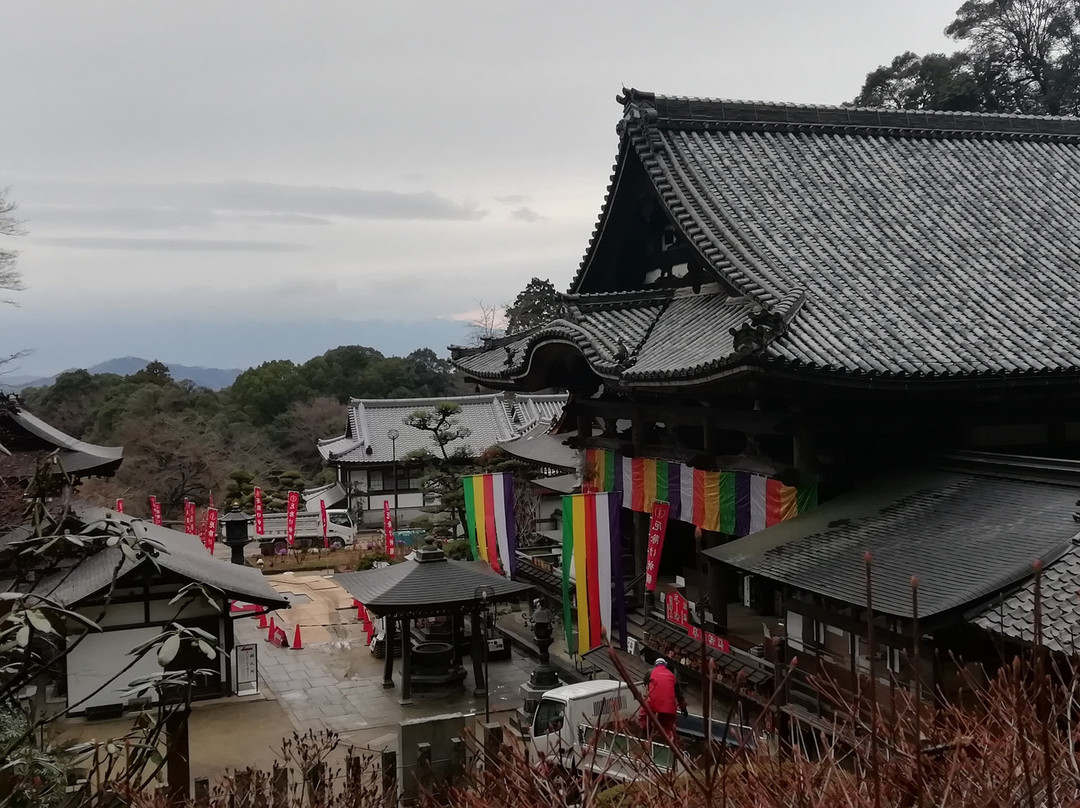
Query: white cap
[(660, 661)]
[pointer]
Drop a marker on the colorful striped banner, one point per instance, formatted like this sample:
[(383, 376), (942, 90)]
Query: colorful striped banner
[(734, 502), (592, 550), (489, 515)]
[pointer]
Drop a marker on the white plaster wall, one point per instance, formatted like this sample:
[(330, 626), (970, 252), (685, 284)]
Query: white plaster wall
[(101, 656)]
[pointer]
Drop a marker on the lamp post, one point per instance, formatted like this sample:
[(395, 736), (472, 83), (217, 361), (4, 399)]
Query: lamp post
[(393, 434), (485, 594)]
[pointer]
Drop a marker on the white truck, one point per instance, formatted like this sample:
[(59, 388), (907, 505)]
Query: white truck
[(574, 727), (340, 531), (591, 726)]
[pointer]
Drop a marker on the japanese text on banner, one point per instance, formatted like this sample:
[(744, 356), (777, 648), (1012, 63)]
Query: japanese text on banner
[(189, 517), (290, 516), (119, 506), (657, 528), (211, 528), (155, 510), (388, 529), (258, 512)]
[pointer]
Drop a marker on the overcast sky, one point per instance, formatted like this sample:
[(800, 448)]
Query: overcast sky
[(221, 183)]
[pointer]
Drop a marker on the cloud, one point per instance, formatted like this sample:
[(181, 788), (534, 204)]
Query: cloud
[(512, 199), (125, 217), (524, 214), (170, 244), (185, 203), (151, 218)]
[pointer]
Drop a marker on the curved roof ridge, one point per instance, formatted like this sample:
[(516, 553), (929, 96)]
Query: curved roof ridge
[(730, 110)]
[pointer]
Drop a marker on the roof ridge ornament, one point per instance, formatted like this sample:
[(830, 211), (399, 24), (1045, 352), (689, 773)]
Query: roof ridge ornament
[(758, 330)]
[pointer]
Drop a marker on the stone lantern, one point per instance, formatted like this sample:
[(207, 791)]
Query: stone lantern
[(544, 677), (235, 525)]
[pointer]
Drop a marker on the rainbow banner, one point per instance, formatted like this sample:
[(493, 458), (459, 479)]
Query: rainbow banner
[(734, 502), (592, 555), (489, 515)]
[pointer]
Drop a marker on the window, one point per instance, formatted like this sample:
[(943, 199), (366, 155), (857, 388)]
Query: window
[(375, 480), (408, 479), (549, 717)]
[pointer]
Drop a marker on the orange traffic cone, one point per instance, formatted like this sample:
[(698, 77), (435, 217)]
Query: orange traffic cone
[(296, 643), (262, 620), (273, 630)]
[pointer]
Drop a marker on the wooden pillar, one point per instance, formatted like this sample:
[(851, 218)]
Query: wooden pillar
[(279, 786), (641, 520), (477, 651), (584, 426), (388, 763), (804, 452), (457, 636), (406, 660), (179, 759), (388, 663), (719, 595)]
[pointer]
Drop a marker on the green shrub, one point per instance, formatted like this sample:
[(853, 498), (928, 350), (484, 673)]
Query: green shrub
[(458, 550), (368, 560)]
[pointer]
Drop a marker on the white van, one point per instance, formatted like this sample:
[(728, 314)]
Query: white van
[(573, 727)]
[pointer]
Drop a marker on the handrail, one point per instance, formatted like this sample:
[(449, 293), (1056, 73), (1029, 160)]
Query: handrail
[(633, 583)]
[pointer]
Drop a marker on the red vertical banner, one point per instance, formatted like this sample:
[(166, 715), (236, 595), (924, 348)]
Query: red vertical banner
[(258, 512), (388, 529), (189, 517), (657, 529), (491, 528), (211, 529), (211, 503), (155, 510), (290, 516), (119, 505), (325, 523)]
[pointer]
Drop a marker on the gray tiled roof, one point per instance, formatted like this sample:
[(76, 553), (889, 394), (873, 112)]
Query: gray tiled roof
[(648, 335), (918, 244), (539, 446), (491, 419), (28, 438), (966, 536), (430, 586), (185, 557), (1014, 616)]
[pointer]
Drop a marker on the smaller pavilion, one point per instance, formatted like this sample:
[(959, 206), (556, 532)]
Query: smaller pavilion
[(431, 586), (25, 440)]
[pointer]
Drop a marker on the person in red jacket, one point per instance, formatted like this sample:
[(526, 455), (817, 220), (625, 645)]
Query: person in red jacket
[(664, 697)]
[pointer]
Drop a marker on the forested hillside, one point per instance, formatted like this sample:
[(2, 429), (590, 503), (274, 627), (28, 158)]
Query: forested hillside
[(183, 441)]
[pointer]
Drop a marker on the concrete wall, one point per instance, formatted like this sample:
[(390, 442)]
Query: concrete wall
[(436, 730)]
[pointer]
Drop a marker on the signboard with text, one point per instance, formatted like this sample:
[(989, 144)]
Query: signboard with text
[(677, 611)]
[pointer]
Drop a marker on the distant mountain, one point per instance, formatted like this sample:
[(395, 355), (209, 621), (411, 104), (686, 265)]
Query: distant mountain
[(213, 378)]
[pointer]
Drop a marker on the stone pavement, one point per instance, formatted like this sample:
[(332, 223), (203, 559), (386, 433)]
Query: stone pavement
[(335, 683)]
